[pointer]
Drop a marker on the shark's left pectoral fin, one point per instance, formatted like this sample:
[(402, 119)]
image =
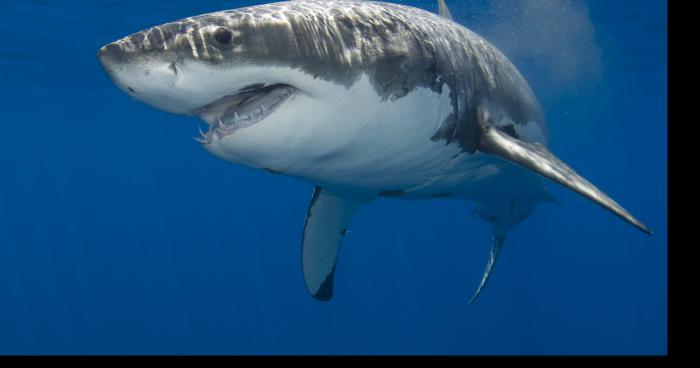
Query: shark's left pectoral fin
[(537, 158), (326, 223)]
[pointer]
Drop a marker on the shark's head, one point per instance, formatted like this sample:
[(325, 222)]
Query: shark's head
[(185, 66), (270, 79), (213, 66), (236, 70)]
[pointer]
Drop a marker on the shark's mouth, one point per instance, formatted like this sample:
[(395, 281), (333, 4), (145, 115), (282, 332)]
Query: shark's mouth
[(251, 105)]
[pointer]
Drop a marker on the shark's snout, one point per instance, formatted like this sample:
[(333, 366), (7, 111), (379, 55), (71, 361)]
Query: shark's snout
[(146, 74), (115, 62), (109, 51), (108, 55)]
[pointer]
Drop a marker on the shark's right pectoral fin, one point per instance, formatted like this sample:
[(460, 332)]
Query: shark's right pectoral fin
[(326, 223), (538, 159)]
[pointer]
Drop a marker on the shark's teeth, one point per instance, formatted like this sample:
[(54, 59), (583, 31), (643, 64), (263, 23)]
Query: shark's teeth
[(203, 137), (244, 109)]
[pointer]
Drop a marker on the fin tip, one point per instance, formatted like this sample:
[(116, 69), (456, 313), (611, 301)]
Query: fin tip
[(325, 290), (639, 225), (323, 297)]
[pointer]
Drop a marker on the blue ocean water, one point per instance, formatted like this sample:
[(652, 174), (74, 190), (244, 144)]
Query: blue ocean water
[(119, 234)]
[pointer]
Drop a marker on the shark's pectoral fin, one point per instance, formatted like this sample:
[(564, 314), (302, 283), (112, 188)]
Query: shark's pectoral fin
[(443, 10), (537, 158), (326, 221)]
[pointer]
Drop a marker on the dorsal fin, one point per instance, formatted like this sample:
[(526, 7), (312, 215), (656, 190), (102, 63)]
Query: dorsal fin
[(443, 10)]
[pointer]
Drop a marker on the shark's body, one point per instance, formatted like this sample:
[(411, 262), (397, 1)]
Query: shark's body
[(361, 99)]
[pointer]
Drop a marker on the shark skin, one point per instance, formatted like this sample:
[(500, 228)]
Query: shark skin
[(362, 100)]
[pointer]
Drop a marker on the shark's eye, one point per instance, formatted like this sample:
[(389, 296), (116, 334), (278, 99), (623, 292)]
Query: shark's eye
[(223, 36)]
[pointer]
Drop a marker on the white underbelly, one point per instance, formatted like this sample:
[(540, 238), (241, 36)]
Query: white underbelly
[(379, 145), (348, 138)]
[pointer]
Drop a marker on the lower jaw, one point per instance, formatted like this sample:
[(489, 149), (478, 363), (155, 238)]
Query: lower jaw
[(218, 133), (218, 130)]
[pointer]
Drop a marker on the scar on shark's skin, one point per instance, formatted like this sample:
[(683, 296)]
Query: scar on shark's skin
[(361, 99)]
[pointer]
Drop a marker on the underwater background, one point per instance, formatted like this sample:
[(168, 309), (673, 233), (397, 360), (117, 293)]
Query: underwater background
[(119, 234)]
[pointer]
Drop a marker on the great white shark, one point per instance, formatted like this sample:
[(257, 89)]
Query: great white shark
[(361, 99)]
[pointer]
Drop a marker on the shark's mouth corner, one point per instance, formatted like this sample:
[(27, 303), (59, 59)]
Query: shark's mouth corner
[(249, 106)]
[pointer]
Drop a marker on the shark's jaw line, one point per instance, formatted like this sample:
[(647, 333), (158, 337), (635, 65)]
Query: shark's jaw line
[(251, 105)]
